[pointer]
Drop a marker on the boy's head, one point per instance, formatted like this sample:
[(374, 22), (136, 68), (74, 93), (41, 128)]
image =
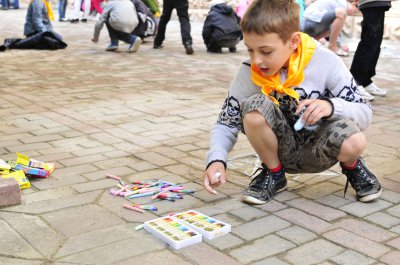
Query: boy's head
[(270, 32)]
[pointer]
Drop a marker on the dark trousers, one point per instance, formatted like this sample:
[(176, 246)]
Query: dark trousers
[(116, 35), (368, 49), (182, 7)]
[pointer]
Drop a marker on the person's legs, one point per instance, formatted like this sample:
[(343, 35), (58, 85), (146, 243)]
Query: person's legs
[(61, 10), (368, 49), (335, 29), (182, 10), (16, 4), (113, 37), (97, 6), (77, 10), (86, 10), (168, 6), (4, 4)]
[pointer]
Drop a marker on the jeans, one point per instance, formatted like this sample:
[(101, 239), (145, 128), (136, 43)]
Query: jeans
[(182, 7), (368, 49), (62, 7), (116, 35), (6, 3)]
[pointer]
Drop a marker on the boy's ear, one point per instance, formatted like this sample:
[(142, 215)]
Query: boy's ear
[(294, 40)]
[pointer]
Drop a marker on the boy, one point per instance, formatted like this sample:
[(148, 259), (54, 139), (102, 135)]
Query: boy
[(289, 74), (221, 27), (121, 19)]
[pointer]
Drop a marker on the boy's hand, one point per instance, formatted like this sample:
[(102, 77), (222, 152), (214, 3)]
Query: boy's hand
[(95, 40), (315, 110), (214, 176)]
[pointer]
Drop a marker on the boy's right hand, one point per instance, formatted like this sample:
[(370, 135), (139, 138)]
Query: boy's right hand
[(214, 176)]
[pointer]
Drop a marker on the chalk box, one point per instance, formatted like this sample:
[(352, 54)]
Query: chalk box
[(207, 226), (172, 232)]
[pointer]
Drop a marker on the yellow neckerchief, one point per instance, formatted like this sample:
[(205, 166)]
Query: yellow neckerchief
[(49, 10), (297, 62)]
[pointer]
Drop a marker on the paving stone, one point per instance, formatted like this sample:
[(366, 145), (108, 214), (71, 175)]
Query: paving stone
[(118, 171), (55, 204), (221, 207), (248, 213), (334, 201), (391, 196), (9, 261), (394, 243), (272, 206), (361, 209), (200, 254), (94, 185), (12, 244), (261, 248), (394, 211), (365, 229), (208, 197), (383, 219), (307, 221), (164, 256), (350, 257), (225, 241), (357, 243), (78, 220), (297, 234), (319, 190), (116, 251), (98, 238), (270, 261), (391, 258), (35, 231), (228, 219), (79, 160), (324, 212), (310, 253), (260, 227)]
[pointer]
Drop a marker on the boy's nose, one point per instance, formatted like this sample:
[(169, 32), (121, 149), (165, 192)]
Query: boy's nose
[(257, 60)]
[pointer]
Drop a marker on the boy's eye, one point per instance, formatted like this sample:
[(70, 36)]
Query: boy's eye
[(249, 50), (266, 52)]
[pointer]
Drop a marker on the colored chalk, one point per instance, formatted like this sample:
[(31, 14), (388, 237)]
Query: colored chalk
[(133, 208), (113, 176)]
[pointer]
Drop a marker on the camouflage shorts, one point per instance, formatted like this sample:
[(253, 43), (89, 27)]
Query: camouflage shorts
[(302, 151)]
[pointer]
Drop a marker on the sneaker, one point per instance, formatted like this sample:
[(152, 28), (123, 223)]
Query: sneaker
[(112, 48), (374, 90), (84, 20), (232, 49), (75, 20), (189, 49), (134, 46), (364, 93), (264, 186), (365, 183)]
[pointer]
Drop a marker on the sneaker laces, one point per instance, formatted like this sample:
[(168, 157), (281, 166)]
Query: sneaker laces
[(363, 92), (364, 179), (257, 178)]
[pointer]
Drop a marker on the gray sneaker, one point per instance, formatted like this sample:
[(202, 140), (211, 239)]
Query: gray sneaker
[(264, 185), (374, 90), (134, 46), (365, 183), (365, 94)]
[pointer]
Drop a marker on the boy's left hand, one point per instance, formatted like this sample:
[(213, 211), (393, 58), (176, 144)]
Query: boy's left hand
[(315, 110)]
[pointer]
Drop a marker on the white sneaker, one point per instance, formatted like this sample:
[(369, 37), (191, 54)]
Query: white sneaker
[(364, 93), (374, 90)]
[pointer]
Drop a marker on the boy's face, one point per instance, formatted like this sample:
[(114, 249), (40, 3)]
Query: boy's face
[(268, 52)]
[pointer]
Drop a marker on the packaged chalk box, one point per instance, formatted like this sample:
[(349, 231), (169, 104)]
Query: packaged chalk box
[(207, 226), (172, 232), (186, 228)]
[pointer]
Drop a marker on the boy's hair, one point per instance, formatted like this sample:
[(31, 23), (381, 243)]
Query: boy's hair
[(272, 16)]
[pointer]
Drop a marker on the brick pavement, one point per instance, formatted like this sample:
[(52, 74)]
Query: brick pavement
[(147, 115)]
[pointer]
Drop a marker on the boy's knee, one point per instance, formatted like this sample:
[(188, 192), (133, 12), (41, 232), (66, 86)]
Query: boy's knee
[(253, 119), (356, 143)]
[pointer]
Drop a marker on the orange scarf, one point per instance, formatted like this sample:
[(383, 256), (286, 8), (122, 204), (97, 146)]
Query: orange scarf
[(49, 9), (297, 62)]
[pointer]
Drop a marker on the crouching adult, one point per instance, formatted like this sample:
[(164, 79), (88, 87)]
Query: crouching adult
[(121, 19), (221, 27)]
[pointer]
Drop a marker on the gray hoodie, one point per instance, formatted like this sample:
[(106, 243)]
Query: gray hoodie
[(120, 14)]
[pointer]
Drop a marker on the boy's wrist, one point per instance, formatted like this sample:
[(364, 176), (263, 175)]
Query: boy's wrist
[(221, 161), (330, 102)]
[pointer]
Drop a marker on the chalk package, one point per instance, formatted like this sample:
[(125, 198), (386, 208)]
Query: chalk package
[(186, 228)]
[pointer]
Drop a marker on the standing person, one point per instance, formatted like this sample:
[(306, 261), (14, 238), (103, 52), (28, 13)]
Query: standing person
[(62, 8), (121, 18), (221, 27), (77, 11), (368, 49), (182, 10), (6, 3), (289, 75)]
